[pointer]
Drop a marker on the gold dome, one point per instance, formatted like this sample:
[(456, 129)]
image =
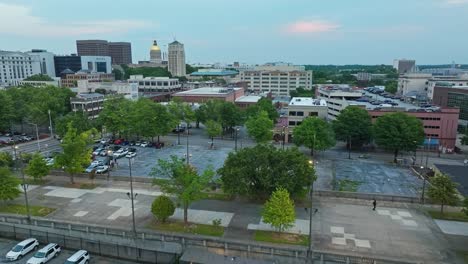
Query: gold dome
[(155, 47)]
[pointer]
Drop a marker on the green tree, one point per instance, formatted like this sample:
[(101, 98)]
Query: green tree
[(353, 125), (162, 208), (118, 74), (213, 129), (398, 131), (279, 210), (115, 115), (37, 167), (164, 120), (76, 151), (8, 185), (314, 133), (6, 160), (101, 91), (183, 181), (443, 191), (264, 104), (465, 206), (6, 108), (260, 127), (146, 71), (39, 77), (391, 87), (301, 92), (464, 139), (260, 170), (79, 119)]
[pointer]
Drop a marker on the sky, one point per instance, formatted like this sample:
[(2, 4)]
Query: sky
[(249, 31)]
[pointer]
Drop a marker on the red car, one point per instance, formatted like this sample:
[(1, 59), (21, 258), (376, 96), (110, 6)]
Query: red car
[(119, 141)]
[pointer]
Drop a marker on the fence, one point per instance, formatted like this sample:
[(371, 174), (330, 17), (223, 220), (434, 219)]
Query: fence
[(368, 196), (162, 247)]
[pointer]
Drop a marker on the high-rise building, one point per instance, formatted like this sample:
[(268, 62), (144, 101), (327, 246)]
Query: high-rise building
[(46, 60), (404, 66), (120, 52), (155, 53), (72, 64), (16, 66), (176, 62)]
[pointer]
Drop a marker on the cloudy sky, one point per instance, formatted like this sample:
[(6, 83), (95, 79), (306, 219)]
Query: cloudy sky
[(249, 31)]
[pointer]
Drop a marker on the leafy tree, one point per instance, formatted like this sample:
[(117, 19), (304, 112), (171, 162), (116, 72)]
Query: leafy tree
[(76, 151), (443, 191), (213, 129), (264, 104), (183, 182), (314, 133), (260, 170), (146, 71), (391, 87), (37, 167), (6, 108), (162, 208), (8, 185), (301, 92), (181, 110), (101, 91), (464, 139), (6, 160), (189, 69), (43, 99), (398, 131), (260, 127), (115, 115), (279, 210), (39, 77), (465, 206), (353, 125), (80, 121), (164, 120), (118, 74)]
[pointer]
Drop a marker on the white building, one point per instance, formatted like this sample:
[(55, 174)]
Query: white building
[(152, 86), (128, 90), (280, 80), (338, 97), (56, 82), (176, 62), (413, 83), (454, 81), (16, 66), (300, 108), (404, 66), (96, 64), (46, 60)]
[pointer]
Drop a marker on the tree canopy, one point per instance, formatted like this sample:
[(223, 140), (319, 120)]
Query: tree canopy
[(260, 127), (264, 104), (260, 170), (37, 167), (162, 208), (279, 210), (213, 129), (353, 124), (79, 119), (398, 131), (8, 185), (443, 191), (315, 134), (146, 71), (39, 77)]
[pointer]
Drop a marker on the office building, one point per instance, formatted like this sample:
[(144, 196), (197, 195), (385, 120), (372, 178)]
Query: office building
[(71, 80), (46, 60), (56, 82), (445, 81), (89, 103), (72, 64), (127, 90), (447, 95), (300, 108), (157, 88), (176, 60), (247, 100), (280, 80), (16, 66), (120, 52), (413, 83), (204, 94), (337, 97), (404, 66)]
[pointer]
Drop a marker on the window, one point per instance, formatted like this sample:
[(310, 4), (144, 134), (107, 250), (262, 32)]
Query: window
[(292, 113), (313, 113), (292, 123)]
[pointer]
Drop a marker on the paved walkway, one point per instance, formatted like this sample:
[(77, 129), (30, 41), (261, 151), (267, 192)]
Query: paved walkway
[(453, 227)]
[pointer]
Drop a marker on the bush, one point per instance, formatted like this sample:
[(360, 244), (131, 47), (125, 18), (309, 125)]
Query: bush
[(217, 222), (162, 208), (465, 206)]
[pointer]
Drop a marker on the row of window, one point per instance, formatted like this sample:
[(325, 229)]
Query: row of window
[(432, 135), (432, 127), (295, 123)]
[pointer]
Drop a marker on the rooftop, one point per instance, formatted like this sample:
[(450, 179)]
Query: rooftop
[(214, 72), (458, 173), (248, 99), (307, 101), (209, 91)]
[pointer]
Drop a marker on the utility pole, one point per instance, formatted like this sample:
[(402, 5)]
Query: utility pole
[(50, 123), (132, 197), (24, 186), (188, 159)]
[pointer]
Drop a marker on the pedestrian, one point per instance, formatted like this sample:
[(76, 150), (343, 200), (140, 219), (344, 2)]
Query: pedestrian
[(374, 203)]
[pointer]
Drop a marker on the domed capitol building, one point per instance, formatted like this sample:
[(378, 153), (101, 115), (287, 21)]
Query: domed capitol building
[(155, 53)]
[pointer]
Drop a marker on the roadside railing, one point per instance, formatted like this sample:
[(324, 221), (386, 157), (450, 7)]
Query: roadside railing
[(220, 245), (368, 196)]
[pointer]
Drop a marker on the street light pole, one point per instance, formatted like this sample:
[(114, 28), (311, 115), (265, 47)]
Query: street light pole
[(50, 123), (349, 147), (237, 131), (284, 136), (37, 137), (188, 158), (309, 250), (424, 188), (23, 185), (132, 197)]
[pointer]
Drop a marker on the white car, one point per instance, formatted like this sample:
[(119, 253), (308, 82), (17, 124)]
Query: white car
[(22, 248), (97, 151), (80, 257), (45, 254), (144, 144), (102, 169), (130, 155)]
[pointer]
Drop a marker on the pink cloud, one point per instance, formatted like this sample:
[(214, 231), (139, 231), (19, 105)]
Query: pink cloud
[(315, 26)]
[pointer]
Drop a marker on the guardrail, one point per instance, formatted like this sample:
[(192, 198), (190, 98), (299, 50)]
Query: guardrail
[(368, 196), (220, 245)]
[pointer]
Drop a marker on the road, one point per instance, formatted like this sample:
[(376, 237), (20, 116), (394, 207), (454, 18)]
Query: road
[(7, 244)]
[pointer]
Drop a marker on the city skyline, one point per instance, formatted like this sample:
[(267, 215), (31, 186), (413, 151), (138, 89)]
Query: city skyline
[(308, 32)]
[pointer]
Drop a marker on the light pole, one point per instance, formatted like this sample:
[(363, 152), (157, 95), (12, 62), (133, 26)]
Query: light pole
[(424, 186), (110, 155), (235, 139), (37, 137), (132, 197), (309, 250), (283, 134), (23, 185), (427, 152), (188, 156), (349, 147), (50, 123)]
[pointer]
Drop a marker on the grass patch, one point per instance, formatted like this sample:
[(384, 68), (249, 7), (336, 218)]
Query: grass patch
[(281, 238), (463, 255), (453, 216), (197, 229), (217, 196), (347, 185), (77, 185), (21, 209), (158, 181)]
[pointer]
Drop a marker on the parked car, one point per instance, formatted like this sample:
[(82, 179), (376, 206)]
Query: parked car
[(45, 254), (97, 151), (132, 150), (50, 161), (22, 248), (102, 169), (144, 144), (158, 145), (119, 141), (80, 257), (90, 168), (178, 130), (130, 155)]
